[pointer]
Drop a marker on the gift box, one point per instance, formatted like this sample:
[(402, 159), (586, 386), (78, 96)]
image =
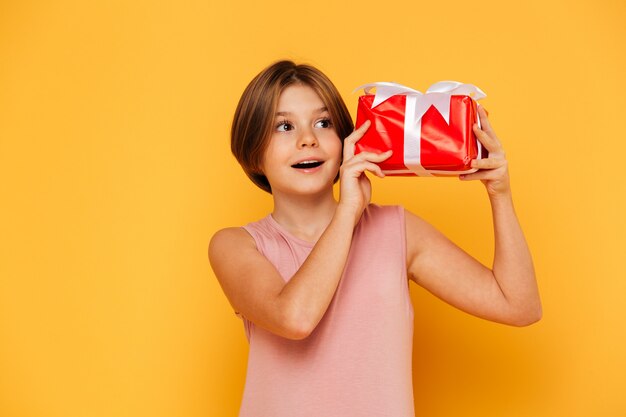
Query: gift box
[(430, 133)]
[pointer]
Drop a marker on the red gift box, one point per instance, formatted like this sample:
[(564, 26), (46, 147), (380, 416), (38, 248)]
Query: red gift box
[(430, 134)]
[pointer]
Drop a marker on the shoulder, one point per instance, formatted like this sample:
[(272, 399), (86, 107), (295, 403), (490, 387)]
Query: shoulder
[(421, 236), (377, 210), (242, 235), (414, 222), (225, 240), (230, 233), (381, 221), (418, 230), (410, 220), (382, 216)]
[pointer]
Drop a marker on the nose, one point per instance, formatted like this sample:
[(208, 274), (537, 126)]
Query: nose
[(307, 138)]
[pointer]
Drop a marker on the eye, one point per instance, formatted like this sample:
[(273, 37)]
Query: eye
[(284, 126), (324, 123)]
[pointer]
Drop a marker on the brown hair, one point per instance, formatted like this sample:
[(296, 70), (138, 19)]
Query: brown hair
[(253, 121)]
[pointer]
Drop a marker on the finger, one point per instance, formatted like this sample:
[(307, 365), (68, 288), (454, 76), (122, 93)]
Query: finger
[(489, 141), (482, 175), (376, 170), (488, 163), (352, 139), (479, 175), (359, 168), (374, 157), (483, 114)]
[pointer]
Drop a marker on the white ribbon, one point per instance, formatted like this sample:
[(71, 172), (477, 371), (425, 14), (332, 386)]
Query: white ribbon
[(417, 103)]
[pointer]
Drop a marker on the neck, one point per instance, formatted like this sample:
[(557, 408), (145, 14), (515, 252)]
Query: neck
[(306, 217)]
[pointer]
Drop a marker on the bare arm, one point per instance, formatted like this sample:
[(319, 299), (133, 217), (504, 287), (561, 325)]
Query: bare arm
[(293, 309), (508, 292)]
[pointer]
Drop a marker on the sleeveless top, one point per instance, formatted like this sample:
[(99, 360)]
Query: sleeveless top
[(357, 362)]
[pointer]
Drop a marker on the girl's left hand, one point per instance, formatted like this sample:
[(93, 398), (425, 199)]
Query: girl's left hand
[(492, 171)]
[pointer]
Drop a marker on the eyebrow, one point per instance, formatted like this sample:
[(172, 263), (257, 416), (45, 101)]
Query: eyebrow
[(286, 113)]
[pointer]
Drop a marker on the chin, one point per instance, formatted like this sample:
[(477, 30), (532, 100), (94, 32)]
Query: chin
[(314, 188), (310, 191)]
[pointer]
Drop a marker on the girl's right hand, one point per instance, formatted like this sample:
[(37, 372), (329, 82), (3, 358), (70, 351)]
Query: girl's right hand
[(355, 187)]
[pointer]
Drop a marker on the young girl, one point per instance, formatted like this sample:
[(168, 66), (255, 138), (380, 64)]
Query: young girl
[(322, 285)]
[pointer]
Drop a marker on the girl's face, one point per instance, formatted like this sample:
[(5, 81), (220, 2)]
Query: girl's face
[(304, 152)]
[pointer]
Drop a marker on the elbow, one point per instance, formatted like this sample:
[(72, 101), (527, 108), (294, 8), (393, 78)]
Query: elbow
[(297, 331), (527, 317), (298, 334), (297, 327)]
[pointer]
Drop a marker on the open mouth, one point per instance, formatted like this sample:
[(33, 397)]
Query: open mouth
[(307, 164)]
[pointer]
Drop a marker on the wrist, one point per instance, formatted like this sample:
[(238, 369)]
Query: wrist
[(346, 212), (501, 199), (499, 190)]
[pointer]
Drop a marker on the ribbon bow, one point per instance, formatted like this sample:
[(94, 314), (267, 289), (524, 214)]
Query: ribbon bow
[(437, 95)]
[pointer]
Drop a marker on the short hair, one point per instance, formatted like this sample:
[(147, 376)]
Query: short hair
[(254, 117)]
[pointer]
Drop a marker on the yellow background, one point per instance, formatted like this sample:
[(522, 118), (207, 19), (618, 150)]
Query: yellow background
[(115, 170)]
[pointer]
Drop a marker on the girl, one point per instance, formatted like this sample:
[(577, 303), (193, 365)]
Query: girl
[(322, 285)]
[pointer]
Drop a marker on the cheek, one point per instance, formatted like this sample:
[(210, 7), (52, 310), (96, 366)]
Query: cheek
[(339, 150), (274, 162), (272, 153), (334, 144)]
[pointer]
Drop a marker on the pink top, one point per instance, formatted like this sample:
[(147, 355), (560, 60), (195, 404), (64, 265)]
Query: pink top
[(357, 361)]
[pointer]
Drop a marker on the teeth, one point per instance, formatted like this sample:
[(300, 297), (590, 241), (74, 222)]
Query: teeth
[(307, 164)]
